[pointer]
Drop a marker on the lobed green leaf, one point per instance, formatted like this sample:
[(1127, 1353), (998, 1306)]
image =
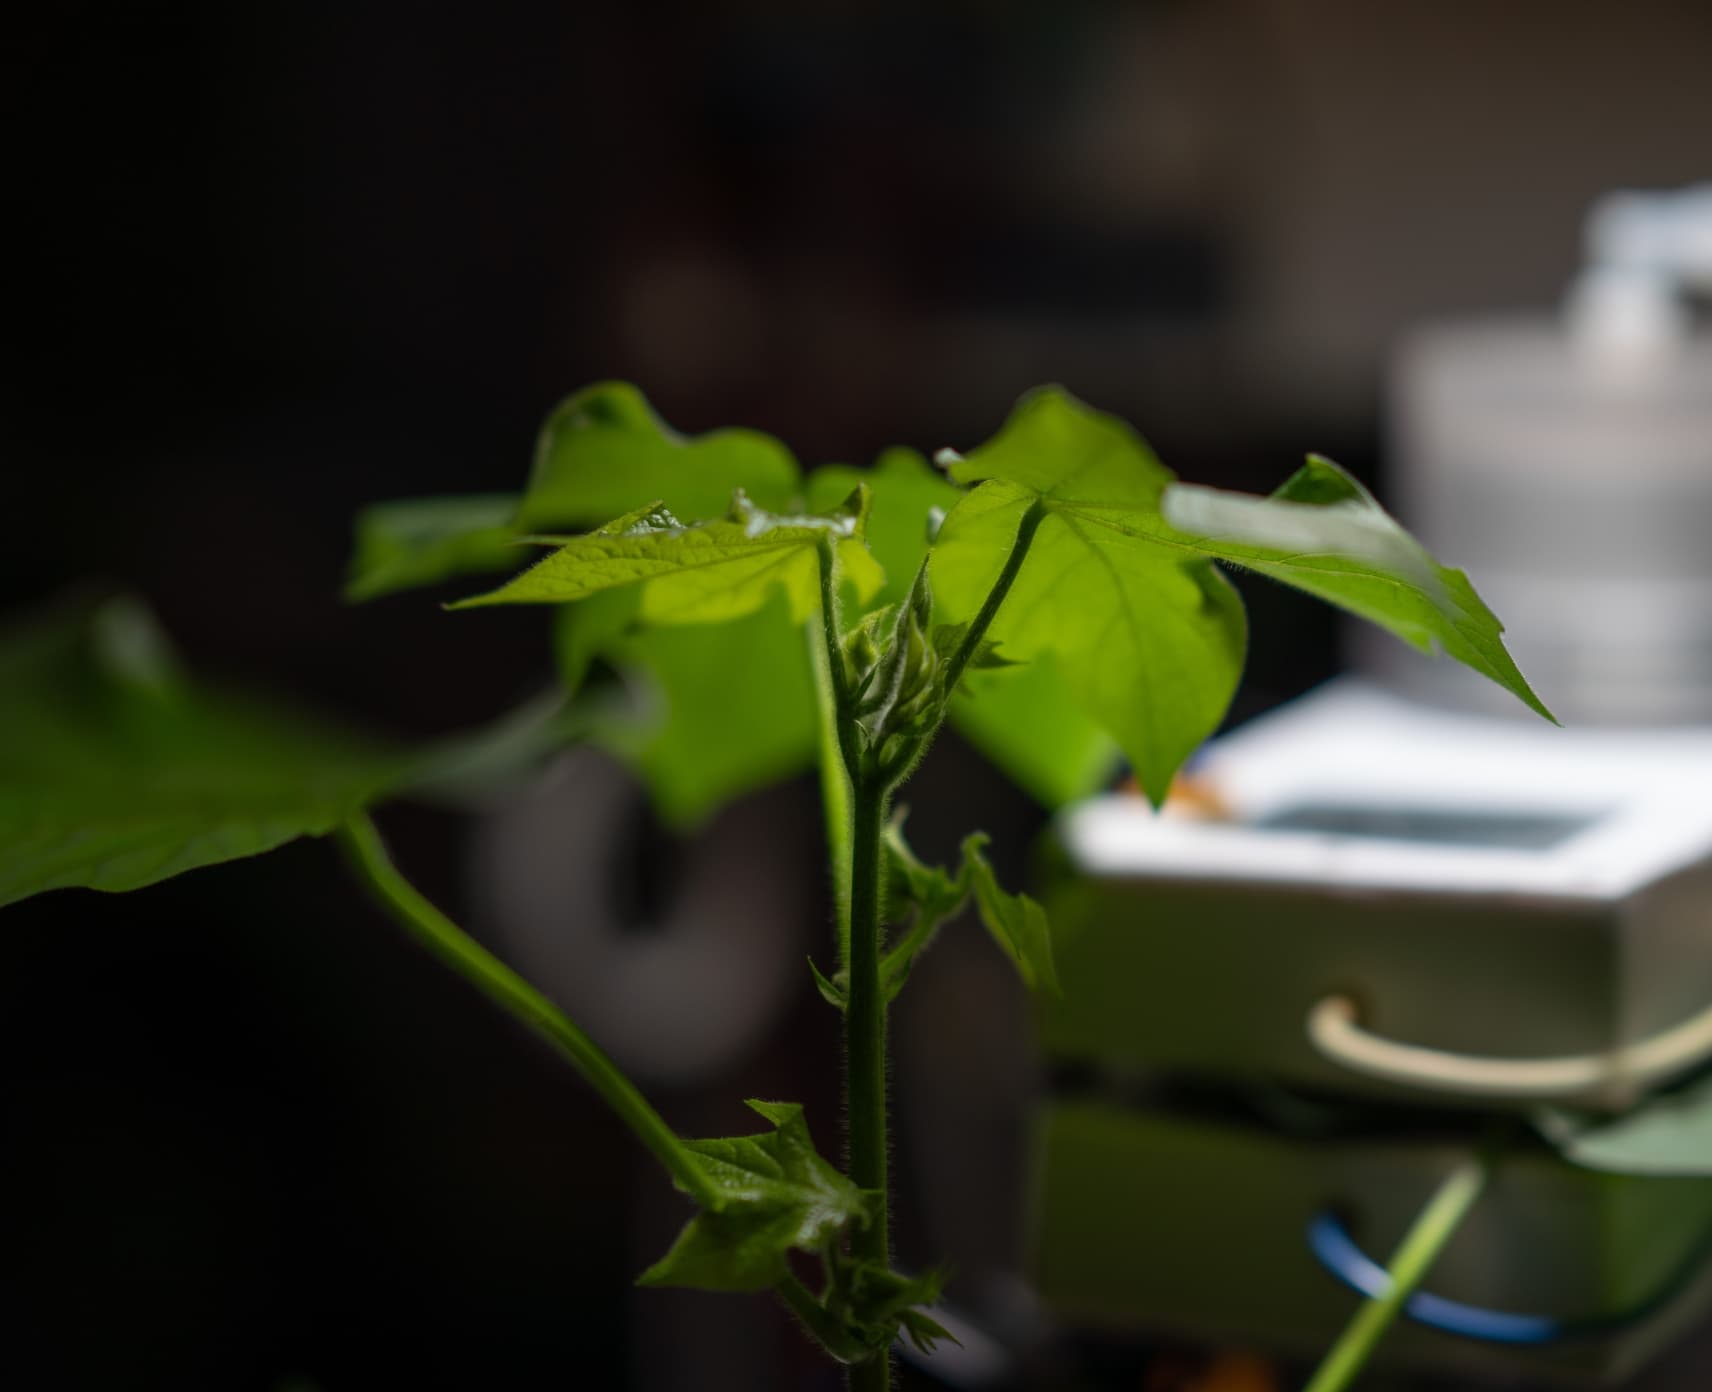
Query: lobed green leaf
[(708, 572), (117, 771), (777, 1194), (1148, 638), (603, 451), (1119, 587)]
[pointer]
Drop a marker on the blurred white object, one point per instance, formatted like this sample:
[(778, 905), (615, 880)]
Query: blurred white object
[(1643, 251), (1480, 888), (1567, 466), (677, 989)]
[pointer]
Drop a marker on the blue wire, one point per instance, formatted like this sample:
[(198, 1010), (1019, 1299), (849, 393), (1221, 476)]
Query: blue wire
[(1337, 1252)]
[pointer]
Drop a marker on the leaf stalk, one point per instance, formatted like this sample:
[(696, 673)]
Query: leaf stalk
[(367, 855)]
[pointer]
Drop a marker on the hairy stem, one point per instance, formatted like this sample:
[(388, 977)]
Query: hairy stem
[(865, 1016), (873, 1376), (368, 858), (1414, 1259), (834, 780)]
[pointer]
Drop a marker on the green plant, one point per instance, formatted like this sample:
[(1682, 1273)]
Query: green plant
[(1054, 593)]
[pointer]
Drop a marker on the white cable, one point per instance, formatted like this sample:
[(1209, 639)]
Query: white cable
[(1335, 1031)]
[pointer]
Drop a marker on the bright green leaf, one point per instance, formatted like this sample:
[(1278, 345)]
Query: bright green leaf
[(777, 1194), (117, 772), (1322, 532), (423, 541), (604, 451), (1148, 637), (1016, 922), (706, 573), (1025, 720), (1669, 1133), (905, 489), (726, 708)]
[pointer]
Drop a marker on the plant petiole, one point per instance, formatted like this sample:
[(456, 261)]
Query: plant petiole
[(367, 855)]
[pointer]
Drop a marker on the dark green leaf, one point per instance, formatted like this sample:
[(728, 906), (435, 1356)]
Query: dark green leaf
[(1147, 635), (1669, 1133), (604, 451), (475, 765), (423, 541), (1322, 532), (777, 1194), (116, 771), (873, 1302), (1016, 922)]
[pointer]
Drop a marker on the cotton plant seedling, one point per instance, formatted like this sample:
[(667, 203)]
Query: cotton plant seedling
[(1054, 593)]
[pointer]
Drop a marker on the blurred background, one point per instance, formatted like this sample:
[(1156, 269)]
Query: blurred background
[(273, 262)]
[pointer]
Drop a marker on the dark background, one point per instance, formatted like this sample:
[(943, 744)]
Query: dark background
[(268, 263)]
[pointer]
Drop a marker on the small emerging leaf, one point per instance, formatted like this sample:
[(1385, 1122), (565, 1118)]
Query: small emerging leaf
[(905, 493), (947, 638), (777, 1194), (912, 884), (874, 1303), (924, 1332), (1016, 922), (833, 990)]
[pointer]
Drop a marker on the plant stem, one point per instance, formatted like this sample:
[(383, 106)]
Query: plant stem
[(971, 643), (1414, 1258), (368, 858), (845, 724), (873, 1376), (834, 782), (865, 1017)]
